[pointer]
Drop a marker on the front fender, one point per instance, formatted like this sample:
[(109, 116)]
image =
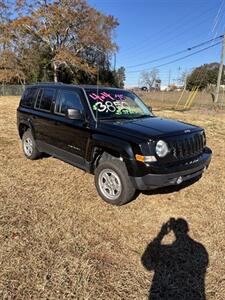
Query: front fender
[(124, 148)]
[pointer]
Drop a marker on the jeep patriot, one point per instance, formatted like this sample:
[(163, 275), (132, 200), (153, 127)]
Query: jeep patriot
[(112, 134)]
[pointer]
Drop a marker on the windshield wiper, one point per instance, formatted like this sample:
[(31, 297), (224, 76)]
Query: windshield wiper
[(127, 117), (143, 116), (116, 117)]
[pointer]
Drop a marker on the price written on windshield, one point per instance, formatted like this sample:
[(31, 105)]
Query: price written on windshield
[(110, 106)]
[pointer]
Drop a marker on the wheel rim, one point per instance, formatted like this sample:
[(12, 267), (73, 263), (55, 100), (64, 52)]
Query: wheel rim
[(28, 146), (110, 184)]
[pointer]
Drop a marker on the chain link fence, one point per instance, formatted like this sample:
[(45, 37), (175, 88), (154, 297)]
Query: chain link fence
[(202, 99), (11, 90)]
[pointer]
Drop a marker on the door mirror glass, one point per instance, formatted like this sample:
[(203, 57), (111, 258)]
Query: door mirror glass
[(74, 114)]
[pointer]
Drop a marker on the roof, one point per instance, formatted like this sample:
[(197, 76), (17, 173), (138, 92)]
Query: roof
[(83, 86)]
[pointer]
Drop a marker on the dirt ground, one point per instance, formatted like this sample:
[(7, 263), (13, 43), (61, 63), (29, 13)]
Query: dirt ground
[(59, 240)]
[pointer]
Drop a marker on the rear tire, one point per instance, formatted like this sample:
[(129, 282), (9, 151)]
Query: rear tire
[(113, 182), (29, 146)]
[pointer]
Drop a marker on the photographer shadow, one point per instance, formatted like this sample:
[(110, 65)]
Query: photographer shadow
[(179, 268)]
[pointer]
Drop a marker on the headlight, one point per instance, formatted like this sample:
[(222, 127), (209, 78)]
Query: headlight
[(161, 148)]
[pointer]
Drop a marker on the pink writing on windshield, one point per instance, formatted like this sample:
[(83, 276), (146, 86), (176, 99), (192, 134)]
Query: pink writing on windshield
[(102, 96), (120, 96)]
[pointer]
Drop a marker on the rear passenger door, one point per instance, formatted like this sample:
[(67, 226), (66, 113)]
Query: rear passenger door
[(42, 120), (70, 136), (26, 106)]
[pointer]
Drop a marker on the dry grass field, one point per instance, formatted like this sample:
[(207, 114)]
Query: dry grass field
[(59, 240), (169, 99)]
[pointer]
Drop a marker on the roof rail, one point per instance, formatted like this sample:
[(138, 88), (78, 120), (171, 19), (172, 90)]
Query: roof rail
[(50, 82)]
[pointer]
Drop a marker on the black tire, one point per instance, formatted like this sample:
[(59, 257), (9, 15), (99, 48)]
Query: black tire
[(33, 152), (119, 170)]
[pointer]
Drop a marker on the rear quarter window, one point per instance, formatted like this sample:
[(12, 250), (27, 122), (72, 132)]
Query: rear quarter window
[(29, 97)]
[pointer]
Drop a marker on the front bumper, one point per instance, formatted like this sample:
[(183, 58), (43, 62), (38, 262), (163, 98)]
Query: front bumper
[(153, 181)]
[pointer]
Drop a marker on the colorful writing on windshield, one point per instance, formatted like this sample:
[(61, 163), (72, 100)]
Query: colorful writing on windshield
[(113, 102), (104, 96)]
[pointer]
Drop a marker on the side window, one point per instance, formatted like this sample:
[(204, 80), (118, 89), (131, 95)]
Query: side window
[(29, 97), (37, 105), (68, 99), (45, 98)]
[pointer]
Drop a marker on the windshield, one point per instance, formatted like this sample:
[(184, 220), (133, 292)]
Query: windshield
[(116, 104)]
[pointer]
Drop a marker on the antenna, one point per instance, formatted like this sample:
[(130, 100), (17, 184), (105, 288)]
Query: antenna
[(97, 95), (100, 51)]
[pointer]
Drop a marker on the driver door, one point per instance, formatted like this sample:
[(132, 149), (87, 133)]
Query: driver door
[(70, 136)]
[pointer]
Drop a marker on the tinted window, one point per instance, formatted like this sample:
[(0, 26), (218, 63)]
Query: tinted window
[(29, 97), (68, 99), (38, 99), (46, 100)]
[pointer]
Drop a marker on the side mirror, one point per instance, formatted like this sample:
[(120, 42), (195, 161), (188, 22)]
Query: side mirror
[(74, 114)]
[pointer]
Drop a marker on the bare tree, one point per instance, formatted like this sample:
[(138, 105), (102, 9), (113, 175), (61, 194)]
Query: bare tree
[(183, 78), (149, 78)]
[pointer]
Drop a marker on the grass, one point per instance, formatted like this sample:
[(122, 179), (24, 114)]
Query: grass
[(59, 240), (170, 99)]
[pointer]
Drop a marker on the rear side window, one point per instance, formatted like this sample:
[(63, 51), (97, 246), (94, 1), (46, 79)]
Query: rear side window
[(45, 98), (68, 99), (29, 97)]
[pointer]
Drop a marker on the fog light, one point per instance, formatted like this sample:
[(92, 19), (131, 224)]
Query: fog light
[(179, 180)]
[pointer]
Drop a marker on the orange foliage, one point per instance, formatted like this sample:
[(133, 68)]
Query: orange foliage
[(74, 33)]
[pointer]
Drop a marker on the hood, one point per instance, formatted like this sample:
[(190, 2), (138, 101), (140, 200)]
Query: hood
[(148, 127)]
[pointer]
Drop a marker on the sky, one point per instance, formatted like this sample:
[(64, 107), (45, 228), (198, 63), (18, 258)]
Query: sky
[(151, 29)]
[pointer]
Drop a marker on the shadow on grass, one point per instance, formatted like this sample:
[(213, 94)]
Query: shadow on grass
[(179, 268)]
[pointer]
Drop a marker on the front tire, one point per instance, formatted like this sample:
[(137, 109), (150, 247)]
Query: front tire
[(113, 182), (29, 146)]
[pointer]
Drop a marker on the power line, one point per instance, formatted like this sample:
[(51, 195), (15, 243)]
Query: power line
[(136, 46), (165, 42), (176, 53), (178, 59), (160, 41), (216, 20), (202, 74)]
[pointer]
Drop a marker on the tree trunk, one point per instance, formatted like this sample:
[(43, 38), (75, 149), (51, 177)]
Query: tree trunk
[(55, 72)]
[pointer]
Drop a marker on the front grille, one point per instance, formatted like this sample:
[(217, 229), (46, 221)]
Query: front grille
[(188, 146)]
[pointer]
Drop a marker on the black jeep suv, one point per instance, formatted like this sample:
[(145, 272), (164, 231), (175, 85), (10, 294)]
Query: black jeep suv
[(110, 133)]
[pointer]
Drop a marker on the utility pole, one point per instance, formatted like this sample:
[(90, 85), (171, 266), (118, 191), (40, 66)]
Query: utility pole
[(169, 77), (178, 75), (220, 71)]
